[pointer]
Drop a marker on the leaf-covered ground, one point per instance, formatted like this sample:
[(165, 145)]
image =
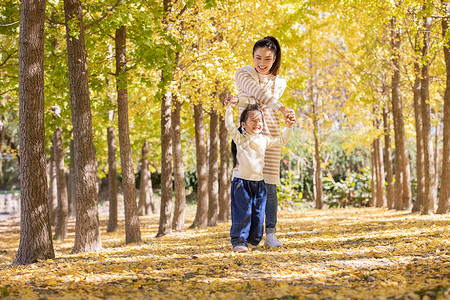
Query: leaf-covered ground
[(328, 254)]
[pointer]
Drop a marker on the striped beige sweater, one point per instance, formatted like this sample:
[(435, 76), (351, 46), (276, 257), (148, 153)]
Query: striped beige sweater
[(265, 90)]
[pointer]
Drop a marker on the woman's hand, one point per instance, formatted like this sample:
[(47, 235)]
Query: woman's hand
[(231, 100)]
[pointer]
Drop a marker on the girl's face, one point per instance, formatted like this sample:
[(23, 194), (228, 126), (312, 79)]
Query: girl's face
[(254, 122), (263, 58)]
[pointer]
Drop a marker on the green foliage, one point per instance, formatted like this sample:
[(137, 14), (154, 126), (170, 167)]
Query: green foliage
[(354, 190)]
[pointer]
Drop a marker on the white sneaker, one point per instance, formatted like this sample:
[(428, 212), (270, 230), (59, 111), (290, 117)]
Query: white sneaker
[(240, 249), (272, 241)]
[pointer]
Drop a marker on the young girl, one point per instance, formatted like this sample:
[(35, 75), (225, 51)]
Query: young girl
[(248, 189), (261, 84)]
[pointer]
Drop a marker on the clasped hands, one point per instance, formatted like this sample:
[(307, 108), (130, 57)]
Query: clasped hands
[(288, 114)]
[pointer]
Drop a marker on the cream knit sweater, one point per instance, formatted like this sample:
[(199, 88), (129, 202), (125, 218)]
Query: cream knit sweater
[(251, 149)]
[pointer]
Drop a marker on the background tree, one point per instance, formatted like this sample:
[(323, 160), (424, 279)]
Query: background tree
[(87, 230)]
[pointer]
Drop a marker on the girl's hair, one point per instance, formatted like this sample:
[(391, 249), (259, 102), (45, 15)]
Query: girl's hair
[(243, 118), (272, 44)]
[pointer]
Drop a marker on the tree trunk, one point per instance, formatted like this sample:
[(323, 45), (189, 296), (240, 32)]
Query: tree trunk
[(63, 214), (178, 168), (213, 178), (224, 176), (317, 161), (112, 181), (201, 216), (429, 199), (388, 156), (444, 197), (165, 217), (71, 185), (35, 229), (419, 141), (143, 184), (402, 158), (381, 194), (53, 190), (373, 173), (87, 229), (132, 229), (151, 205)]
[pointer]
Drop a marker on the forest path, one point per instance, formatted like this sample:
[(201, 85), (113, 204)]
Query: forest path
[(357, 253)]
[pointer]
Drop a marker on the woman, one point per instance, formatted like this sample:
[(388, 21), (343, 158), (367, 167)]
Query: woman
[(261, 84)]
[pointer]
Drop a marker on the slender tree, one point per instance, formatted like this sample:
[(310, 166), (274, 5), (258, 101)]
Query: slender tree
[(318, 190), (87, 229), (213, 178), (35, 229), (201, 216), (388, 155), (420, 195), (444, 197), (53, 186), (143, 207), (71, 185), (429, 194), (132, 229), (165, 216), (403, 173), (112, 168), (224, 175), (178, 168), (63, 213)]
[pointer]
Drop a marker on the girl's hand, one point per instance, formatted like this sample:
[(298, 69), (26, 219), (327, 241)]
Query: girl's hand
[(290, 121), (288, 114), (231, 100)]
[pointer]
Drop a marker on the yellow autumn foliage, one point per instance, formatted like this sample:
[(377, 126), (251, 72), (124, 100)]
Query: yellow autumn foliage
[(364, 253)]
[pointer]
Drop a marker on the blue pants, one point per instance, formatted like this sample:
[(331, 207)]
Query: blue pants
[(248, 205), (271, 208)]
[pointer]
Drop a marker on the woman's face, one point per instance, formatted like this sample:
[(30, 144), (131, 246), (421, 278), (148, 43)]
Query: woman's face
[(254, 122), (263, 58)]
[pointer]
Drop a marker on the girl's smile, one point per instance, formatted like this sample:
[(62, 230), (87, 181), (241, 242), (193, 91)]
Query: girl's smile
[(254, 122)]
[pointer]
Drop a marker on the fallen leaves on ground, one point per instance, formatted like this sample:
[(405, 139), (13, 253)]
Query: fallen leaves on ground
[(363, 253)]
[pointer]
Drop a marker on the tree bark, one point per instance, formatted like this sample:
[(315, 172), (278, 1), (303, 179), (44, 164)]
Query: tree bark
[(112, 181), (201, 216), (53, 190), (165, 217), (430, 182), (380, 200), (35, 229), (224, 175), (144, 180), (388, 155), (373, 173), (63, 214), (71, 185), (151, 205), (213, 178), (178, 168), (87, 229), (419, 140), (444, 197), (317, 161), (381, 194), (132, 229), (402, 158)]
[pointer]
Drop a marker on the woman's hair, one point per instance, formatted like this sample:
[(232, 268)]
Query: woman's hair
[(272, 44), (243, 118)]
